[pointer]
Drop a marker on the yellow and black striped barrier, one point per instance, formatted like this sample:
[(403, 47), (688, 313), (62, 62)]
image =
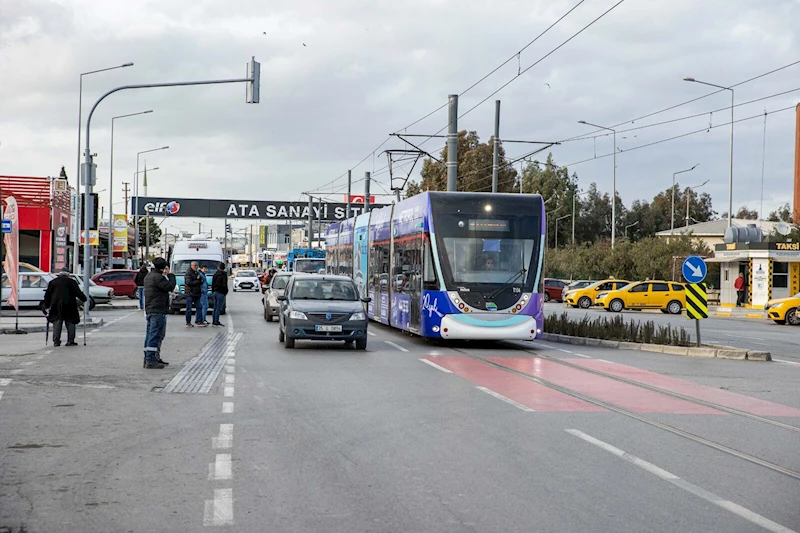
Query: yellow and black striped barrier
[(696, 301)]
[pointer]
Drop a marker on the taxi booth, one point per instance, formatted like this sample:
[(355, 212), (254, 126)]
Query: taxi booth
[(771, 270)]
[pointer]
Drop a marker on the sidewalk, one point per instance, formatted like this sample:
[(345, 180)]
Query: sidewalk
[(37, 324)]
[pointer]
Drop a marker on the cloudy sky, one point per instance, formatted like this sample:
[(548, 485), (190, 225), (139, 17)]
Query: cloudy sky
[(339, 76)]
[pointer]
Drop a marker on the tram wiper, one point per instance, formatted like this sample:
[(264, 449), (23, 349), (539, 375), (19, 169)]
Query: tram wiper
[(508, 283)]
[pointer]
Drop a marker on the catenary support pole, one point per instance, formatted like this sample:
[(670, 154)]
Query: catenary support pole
[(349, 191), (496, 153), (366, 191), (452, 144), (310, 220)]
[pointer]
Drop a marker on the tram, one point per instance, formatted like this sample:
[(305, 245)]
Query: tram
[(453, 265)]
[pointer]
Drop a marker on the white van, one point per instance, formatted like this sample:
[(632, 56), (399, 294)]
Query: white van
[(207, 252)]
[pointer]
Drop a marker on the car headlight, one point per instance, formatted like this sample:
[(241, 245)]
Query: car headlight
[(601, 295), (777, 305), (358, 316), (298, 315)]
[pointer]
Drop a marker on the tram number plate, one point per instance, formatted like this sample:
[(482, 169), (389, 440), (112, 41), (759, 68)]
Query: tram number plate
[(334, 329)]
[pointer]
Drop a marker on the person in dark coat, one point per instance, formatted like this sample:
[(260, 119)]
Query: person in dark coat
[(61, 303), (193, 289), (157, 286), (140, 284), (219, 288)]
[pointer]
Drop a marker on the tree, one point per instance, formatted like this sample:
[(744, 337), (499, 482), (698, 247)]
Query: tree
[(782, 214), (743, 212), (557, 189), (474, 168), (699, 208), (155, 232), (63, 173)]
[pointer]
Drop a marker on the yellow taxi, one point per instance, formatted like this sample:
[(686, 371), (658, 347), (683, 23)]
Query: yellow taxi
[(584, 296), (784, 310), (651, 294)]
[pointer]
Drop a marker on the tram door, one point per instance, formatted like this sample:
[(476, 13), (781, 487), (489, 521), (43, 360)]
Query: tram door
[(379, 279)]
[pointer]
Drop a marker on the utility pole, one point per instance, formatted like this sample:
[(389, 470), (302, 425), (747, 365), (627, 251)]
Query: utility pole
[(452, 144), (496, 154), (349, 190), (319, 222), (366, 191), (310, 220), (125, 191)]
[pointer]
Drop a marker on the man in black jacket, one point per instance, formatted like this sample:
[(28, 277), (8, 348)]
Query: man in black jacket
[(193, 289), (61, 302), (219, 288), (140, 284), (157, 286)]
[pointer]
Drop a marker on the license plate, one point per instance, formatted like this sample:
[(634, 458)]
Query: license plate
[(335, 329)]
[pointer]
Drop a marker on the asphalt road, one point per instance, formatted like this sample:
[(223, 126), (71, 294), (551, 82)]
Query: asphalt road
[(407, 436), (765, 335)]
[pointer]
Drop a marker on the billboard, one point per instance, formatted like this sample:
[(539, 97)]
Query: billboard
[(248, 209), (120, 233)]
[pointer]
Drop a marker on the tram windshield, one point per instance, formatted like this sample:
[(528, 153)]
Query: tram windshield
[(496, 261)]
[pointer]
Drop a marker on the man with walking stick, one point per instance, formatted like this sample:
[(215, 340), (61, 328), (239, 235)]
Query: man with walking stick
[(61, 306)]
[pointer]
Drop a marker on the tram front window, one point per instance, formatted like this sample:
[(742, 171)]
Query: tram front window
[(489, 261)]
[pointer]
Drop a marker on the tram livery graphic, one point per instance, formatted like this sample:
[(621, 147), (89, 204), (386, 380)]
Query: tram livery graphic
[(451, 265)]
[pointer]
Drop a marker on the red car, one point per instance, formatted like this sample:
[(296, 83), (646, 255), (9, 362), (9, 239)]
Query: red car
[(122, 281), (553, 289)]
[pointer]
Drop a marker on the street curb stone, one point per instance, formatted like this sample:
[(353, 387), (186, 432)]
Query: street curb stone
[(41, 329)]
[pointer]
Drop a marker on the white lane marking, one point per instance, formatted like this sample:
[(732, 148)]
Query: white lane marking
[(16, 371), (743, 337), (581, 355), (4, 382), (738, 510), (507, 400), (230, 361), (787, 362), (390, 343), (371, 334), (225, 437), (231, 329), (219, 511), (228, 392), (229, 379), (1, 395), (27, 363), (229, 368), (609, 362), (227, 407), (221, 468), (550, 347), (437, 367), (48, 351)]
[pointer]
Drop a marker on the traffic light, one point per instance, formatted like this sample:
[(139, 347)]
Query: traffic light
[(253, 91), (228, 228), (93, 218)]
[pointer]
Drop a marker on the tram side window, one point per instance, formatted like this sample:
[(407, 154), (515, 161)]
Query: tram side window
[(345, 262), (379, 265), (407, 265), (429, 275)]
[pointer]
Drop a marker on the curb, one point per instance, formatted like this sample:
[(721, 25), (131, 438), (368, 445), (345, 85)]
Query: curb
[(707, 351), (107, 307), (41, 329)]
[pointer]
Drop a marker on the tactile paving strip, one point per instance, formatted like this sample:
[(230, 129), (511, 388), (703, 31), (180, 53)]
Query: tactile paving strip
[(199, 374)]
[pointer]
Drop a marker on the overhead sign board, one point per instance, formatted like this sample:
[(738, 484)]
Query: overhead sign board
[(359, 199), (247, 209), (694, 269)]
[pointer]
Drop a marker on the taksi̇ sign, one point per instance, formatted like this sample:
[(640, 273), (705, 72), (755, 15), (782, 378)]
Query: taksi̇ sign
[(248, 209)]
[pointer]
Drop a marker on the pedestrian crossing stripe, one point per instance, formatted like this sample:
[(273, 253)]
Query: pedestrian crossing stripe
[(696, 301)]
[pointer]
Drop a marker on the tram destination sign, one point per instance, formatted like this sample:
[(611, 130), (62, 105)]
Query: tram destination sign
[(249, 209)]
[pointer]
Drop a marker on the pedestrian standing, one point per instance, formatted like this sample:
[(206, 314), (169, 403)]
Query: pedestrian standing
[(140, 284), (219, 288), (61, 302), (192, 282), (157, 286), (202, 311), (739, 286)]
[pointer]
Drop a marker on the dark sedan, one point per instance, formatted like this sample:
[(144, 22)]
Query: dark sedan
[(322, 308)]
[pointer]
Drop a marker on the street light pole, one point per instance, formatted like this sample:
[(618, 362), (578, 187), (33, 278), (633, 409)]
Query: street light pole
[(111, 189), (574, 197), (688, 195), (77, 228), (613, 181), (730, 174), (672, 218), (136, 193)]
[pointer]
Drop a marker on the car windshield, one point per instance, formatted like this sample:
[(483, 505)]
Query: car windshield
[(180, 267), (245, 274), (323, 289), (280, 282)]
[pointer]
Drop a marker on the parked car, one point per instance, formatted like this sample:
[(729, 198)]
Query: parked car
[(554, 290), (277, 287), (584, 297), (784, 310), (579, 284), (324, 308), (122, 281), (32, 286), (246, 280), (652, 294)]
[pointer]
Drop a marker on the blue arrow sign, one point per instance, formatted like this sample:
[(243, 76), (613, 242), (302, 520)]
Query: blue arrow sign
[(6, 226), (694, 269)]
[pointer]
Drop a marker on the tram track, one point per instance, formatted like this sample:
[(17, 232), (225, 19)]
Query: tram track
[(641, 418)]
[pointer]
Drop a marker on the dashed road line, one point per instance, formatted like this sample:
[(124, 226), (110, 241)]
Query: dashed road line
[(4, 382), (227, 407), (225, 437), (219, 511), (229, 379), (228, 392), (609, 362), (221, 468), (787, 362), (437, 367), (390, 343), (509, 401), (1, 395), (710, 497), (371, 334), (581, 355)]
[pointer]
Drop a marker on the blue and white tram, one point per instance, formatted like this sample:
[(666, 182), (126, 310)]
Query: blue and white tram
[(453, 265)]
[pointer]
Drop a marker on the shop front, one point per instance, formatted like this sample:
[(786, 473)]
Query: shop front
[(771, 270)]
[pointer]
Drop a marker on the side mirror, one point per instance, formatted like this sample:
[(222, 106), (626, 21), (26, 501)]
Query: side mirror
[(282, 298), (366, 300)]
